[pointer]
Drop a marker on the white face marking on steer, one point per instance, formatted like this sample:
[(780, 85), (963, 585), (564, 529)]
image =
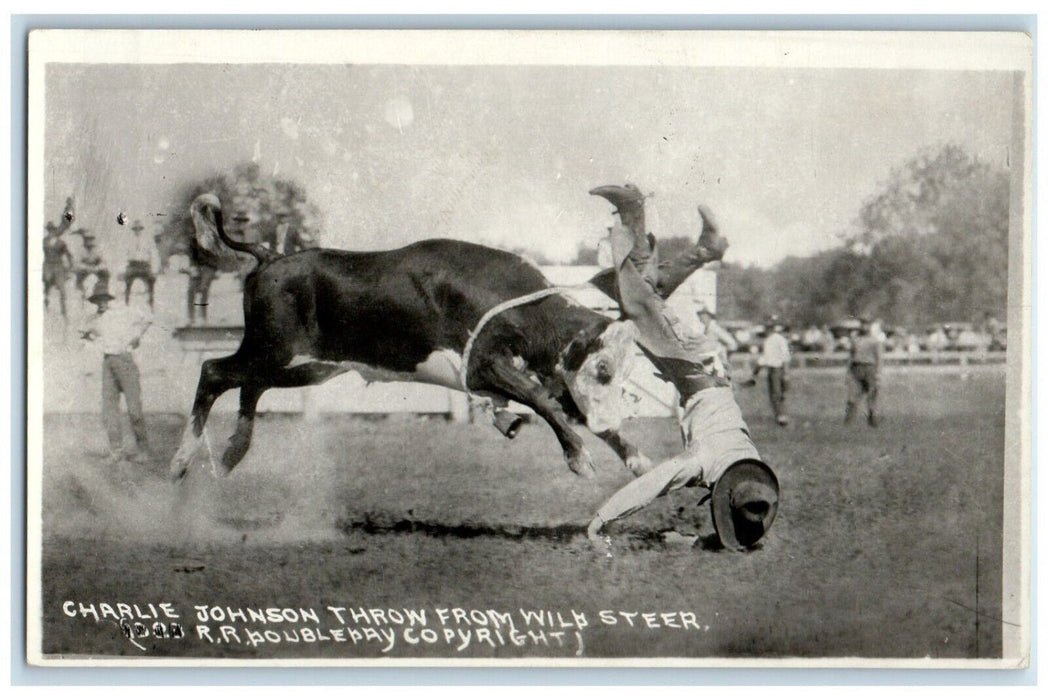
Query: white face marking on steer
[(599, 385), (441, 367)]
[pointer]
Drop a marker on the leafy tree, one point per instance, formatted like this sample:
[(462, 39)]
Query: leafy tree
[(936, 240), (932, 246)]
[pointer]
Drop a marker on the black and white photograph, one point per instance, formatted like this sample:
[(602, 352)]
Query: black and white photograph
[(528, 348)]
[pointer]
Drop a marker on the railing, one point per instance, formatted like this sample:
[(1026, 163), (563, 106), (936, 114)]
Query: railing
[(960, 358)]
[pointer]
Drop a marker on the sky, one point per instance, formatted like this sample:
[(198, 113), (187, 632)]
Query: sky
[(506, 155)]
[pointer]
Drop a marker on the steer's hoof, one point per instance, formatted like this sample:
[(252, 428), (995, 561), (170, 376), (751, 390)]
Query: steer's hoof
[(232, 456), (638, 464), (177, 472), (582, 464)]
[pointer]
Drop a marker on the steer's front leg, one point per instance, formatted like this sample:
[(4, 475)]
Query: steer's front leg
[(500, 374)]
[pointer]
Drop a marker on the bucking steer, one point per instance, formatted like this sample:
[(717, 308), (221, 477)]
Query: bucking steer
[(408, 315)]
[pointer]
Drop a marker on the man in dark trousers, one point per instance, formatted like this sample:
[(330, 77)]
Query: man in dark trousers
[(117, 332), (203, 268), (774, 359), (141, 263), (58, 261), (89, 263), (864, 371)]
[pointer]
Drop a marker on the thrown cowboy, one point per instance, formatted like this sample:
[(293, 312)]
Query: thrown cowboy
[(719, 454)]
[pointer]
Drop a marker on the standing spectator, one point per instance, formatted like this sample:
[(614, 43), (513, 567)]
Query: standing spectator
[(141, 263), (876, 330), (117, 332), (811, 339), (163, 251), (58, 261), (913, 344), (203, 268), (937, 341), (828, 343), (207, 255), (89, 263), (864, 370), (712, 330), (775, 358)]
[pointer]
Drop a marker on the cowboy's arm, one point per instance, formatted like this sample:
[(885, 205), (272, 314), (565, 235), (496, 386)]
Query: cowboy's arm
[(670, 475)]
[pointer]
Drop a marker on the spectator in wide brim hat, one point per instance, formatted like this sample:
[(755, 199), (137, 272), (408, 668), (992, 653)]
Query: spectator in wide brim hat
[(864, 370), (117, 332)]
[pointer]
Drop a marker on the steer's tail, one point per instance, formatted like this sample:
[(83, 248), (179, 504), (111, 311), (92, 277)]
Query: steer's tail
[(206, 211)]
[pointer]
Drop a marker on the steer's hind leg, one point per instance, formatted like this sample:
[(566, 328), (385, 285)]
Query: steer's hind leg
[(500, 373), (240, 440), (216, 377), (284, 377)]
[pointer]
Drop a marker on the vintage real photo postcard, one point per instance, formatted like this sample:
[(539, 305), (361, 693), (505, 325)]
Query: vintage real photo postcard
[(556, 348)]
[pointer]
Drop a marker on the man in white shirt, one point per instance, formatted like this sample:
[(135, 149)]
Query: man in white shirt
[(116, 332), (775, 358)]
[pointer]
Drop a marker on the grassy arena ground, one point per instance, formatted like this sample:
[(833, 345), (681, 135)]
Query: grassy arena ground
[(887, 541)]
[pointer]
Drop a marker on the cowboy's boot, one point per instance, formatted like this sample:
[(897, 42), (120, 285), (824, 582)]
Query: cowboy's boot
[(710, 247), (629, 204)]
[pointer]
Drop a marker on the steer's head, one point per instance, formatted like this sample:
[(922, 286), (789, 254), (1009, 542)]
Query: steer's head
[(595, 367)]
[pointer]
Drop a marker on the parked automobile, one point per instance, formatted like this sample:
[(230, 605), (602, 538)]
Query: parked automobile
[(963, 336), (746, 334), (812, 340)]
